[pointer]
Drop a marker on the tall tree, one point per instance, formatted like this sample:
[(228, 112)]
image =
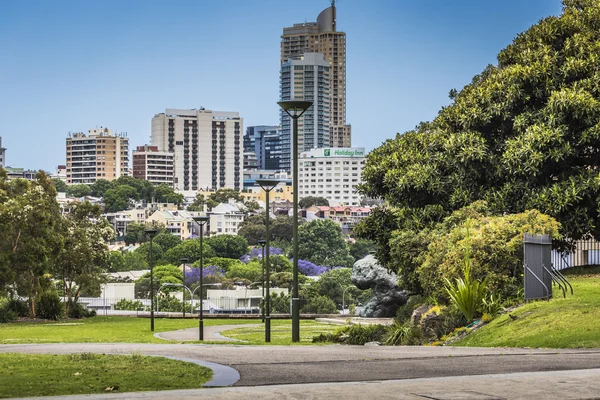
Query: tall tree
[(524, 134), (30, 219), (228, 246), (85, 253), (322, 242)]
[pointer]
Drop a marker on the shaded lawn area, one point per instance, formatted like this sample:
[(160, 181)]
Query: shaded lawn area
[(573, 322), (102, 330), (58, 375), (281, 332)]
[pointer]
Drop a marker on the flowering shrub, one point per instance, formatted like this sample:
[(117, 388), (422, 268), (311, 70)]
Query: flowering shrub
[(256, 252), (192, 275)]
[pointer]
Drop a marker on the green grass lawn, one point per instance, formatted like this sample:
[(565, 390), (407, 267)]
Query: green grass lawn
[(58, 375), (101, 330), (281, 332), (573, 322)]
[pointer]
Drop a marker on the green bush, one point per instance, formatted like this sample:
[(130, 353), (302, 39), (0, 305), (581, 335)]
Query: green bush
[(19, 307), (495, 249), (403, 334), (50, 306), (319, 305), (7, 315), (353, 334), (170, 304), (405, 311), (132, 305), (492, 305), (78, 311)]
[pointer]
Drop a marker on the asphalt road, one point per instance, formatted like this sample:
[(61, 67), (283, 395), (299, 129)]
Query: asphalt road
[(272, 365)]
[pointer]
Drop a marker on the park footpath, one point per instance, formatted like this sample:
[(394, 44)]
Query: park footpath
[(576, 384)]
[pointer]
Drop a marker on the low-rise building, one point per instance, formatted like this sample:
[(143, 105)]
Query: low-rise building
[(179, 222), (225, 219), (345, 216)]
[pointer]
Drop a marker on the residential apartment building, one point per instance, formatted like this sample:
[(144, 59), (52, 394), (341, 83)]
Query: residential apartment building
[(265, 142), (332, 173), (347, 217), (322, 37), (98, 155), (305, 79), (225, 219), (2, 155), (153, 165), (206, 145), (178, 222)]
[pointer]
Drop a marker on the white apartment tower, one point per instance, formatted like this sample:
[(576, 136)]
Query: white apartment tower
[(98, 155), (207, 147), (332, 173), (306, 79)]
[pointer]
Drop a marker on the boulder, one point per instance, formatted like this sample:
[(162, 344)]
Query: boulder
[(367, 273)]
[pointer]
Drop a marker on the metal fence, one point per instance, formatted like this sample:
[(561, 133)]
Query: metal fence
[(586, 252)]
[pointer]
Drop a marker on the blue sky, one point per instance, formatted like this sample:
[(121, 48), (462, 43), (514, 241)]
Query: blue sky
[(72, 65)]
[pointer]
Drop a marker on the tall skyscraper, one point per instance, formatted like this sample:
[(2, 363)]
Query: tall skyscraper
[(98, 155), (322, 37), (305, 79), (2, 155), (207, 147), (265, 142)]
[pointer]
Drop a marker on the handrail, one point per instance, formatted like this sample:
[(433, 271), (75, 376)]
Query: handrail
[(540, 281), (563, 278), (558, 282)]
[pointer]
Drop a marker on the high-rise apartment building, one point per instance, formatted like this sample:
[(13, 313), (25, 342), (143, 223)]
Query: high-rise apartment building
[(206, 145), (98, 155), (153, 165), (265, 142), (2, 155), (332, 173), (322, 37), (305, 79)]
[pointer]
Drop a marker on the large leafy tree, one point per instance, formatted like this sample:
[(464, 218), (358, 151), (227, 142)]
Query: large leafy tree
[(524, 134), (228, 246), (85, 253), (29, 240), (322, 242)]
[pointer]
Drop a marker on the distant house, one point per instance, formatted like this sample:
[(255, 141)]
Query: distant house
[(345, 216), (225, 219), (177, 222)]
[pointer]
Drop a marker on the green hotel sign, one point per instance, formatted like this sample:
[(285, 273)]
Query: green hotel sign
[(349, 152)]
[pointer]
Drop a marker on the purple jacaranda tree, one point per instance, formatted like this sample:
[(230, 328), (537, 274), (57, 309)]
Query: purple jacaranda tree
[(192, 275), (256, 252)]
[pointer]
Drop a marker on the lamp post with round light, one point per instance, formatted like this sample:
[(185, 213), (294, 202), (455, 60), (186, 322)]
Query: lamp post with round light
[(295, 109), (184, 261), (267, 185), (262, 244), (151, 232), (201, 221)]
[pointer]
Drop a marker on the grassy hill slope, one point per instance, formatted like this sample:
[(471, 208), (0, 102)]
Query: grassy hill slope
[(573, 322)]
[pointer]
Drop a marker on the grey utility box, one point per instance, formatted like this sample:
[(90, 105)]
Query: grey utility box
[(537, 260)]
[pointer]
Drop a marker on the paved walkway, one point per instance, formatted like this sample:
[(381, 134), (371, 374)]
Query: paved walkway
[(211, 333), (576, 384)]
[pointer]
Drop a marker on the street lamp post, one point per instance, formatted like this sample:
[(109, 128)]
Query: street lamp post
[(184, 261), (151, 232), (295, 109), (343, 299), (201, 221), (267, 185), (262, 244)]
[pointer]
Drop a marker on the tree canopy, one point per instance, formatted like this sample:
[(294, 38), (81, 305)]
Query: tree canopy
[(524, 134), (322, 242), (228, 246)]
